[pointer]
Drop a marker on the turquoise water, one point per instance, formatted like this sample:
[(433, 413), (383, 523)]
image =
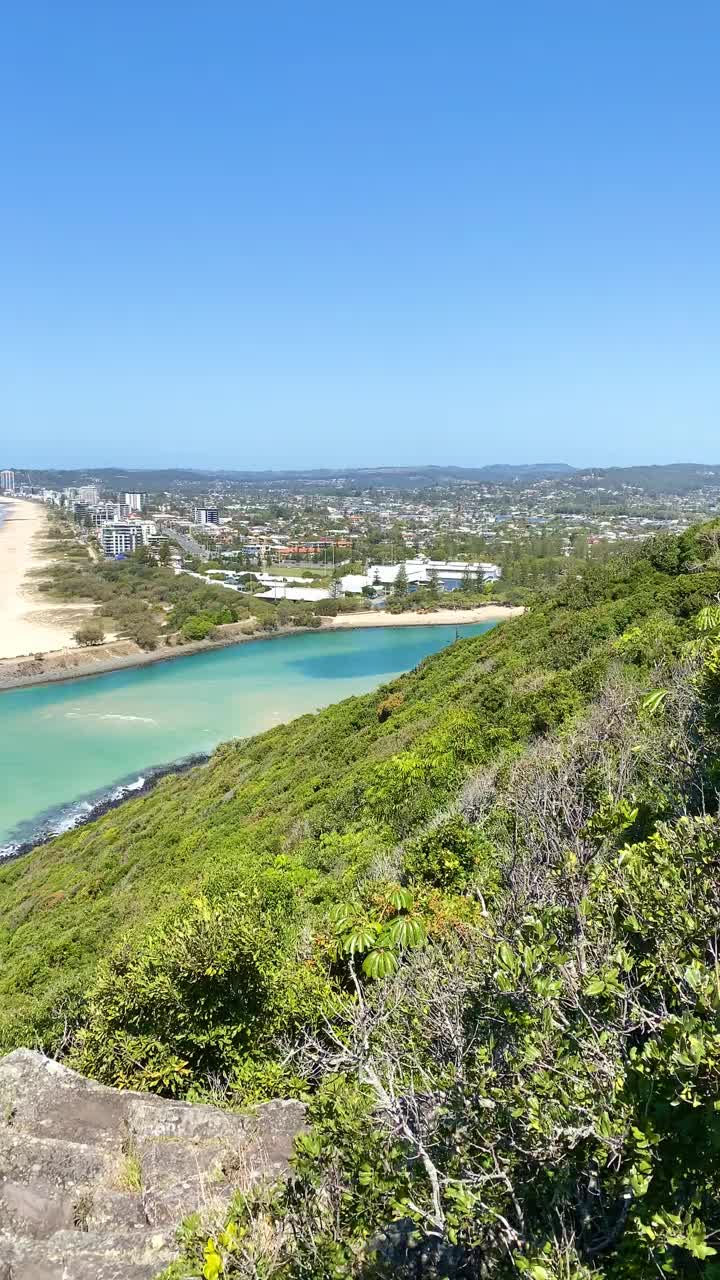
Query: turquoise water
[(64, 746)]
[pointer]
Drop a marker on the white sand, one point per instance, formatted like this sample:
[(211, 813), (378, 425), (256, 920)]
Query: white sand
[(28, 624), (439, 617)]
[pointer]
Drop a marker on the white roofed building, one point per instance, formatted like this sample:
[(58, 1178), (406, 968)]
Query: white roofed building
[(352, 584), (450, 575), (311, 594)]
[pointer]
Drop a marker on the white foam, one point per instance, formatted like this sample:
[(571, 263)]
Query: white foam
[(120, 792), (109, 715)]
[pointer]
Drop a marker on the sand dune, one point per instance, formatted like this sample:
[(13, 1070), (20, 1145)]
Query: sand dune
[(28, 624)]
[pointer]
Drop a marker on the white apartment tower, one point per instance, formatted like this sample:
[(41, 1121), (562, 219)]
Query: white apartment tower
[(119, 539), (7, 481), (134, 501), (207, 515)]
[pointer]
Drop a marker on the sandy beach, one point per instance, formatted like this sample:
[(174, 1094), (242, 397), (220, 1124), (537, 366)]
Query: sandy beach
[(28, 624), (438, 617)]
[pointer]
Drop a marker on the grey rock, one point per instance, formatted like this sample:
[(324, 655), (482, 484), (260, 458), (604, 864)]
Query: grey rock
[(76, 1255), (94, 1181)]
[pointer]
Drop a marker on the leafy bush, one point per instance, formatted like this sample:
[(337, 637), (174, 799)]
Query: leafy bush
[(447, 856), (388, 705), (378, 935), (201, 993), (144, 631), (199, 626), (89, 634)]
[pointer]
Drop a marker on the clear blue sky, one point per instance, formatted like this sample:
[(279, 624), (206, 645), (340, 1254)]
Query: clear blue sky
[(318, 233)]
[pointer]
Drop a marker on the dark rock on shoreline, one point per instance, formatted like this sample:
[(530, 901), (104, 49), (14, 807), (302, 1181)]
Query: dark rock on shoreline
[(50, 828)]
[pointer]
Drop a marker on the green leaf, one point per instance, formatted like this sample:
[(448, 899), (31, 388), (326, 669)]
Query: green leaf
[(401, 899), (361, 939), (406, 931), (652, 702), (708, 618), (213, 1265), (380, 963)]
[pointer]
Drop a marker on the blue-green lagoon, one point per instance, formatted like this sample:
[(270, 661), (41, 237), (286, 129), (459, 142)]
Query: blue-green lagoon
[(67, 747)]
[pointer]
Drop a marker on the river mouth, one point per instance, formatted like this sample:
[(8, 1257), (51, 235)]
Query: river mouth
[(70, 750)]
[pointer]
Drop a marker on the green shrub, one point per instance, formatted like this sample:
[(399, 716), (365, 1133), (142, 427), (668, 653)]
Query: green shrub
[(388, 705), (199, 626), (89, 634), (209, 987), (447, 856)]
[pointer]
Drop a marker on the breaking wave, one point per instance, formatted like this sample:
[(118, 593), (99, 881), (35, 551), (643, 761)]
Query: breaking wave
[(58, 821), (108, 715)]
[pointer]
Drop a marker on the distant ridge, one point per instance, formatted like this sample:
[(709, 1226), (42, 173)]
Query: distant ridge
[(154, 479), (675, 477)]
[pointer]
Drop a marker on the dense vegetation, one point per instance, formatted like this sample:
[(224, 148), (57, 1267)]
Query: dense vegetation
[(473, 919)]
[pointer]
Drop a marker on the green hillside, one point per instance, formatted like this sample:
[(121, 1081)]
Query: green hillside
[(469, 917)]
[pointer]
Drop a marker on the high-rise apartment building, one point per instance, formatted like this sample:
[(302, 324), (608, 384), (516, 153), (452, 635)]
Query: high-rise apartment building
[(121, 539), (7, 481), (134, 501), (207, 515)]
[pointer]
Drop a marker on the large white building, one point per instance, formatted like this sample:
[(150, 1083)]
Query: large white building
[(313, 594), (7, 481), (134, 501), (121, 538), (89, 493), (450, 575), (207, 515)]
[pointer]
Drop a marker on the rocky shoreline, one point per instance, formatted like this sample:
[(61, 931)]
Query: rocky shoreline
[(87, 811)]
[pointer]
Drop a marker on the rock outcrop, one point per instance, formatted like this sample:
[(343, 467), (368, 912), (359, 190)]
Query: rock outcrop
[(95, 1181)]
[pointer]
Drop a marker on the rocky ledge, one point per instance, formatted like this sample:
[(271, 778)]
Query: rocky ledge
[(95, 1181)]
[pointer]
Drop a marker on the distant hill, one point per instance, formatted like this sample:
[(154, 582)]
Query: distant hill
[(154, 480), (676, 477)]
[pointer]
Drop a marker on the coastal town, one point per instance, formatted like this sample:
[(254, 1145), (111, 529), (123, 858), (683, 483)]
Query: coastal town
[(337, 521), (87, 558), (91, 584)]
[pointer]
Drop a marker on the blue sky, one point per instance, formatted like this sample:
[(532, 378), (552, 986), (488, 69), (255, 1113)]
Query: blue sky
[(308, 233)]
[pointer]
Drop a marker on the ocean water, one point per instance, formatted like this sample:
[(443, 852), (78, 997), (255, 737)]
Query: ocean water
[(67, 747)]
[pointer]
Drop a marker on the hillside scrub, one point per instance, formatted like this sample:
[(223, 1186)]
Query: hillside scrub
[(471, 918)]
